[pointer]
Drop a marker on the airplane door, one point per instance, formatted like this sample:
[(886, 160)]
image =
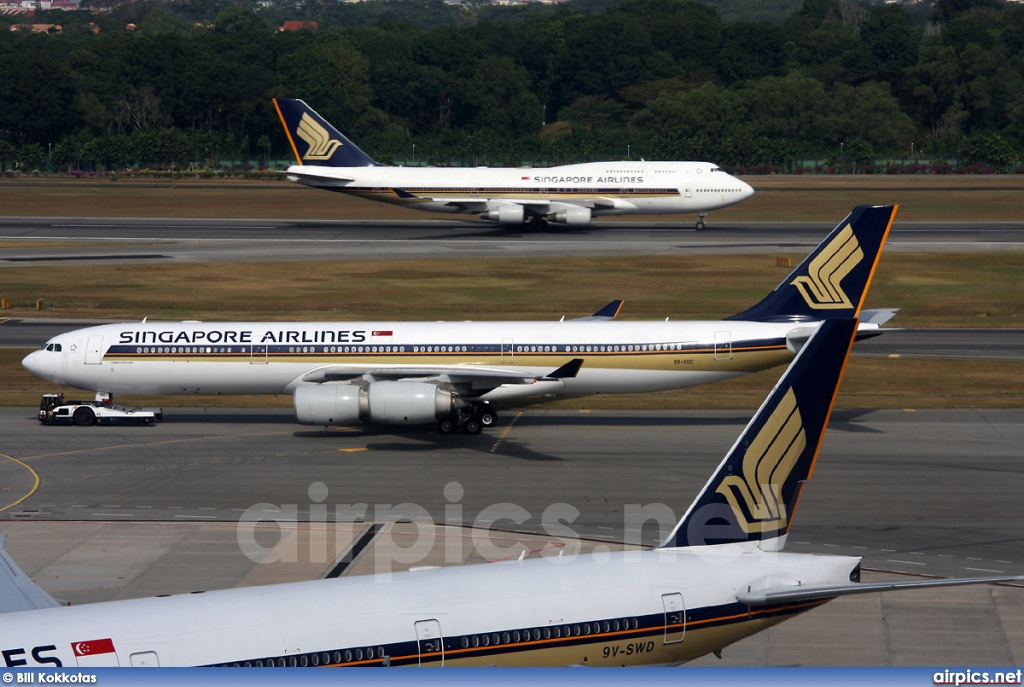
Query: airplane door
[(258, 355), (688, 189), (675, 617), (429, 641), (507, 351), (94, 350), (723, 345), (145, 659)]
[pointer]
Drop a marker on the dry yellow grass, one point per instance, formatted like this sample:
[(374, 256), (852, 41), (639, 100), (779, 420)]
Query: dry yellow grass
[(933, 289), (778, 198)]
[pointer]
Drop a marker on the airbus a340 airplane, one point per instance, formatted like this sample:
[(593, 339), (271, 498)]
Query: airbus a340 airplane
[(571, 194), (451, 372), (720, 576)]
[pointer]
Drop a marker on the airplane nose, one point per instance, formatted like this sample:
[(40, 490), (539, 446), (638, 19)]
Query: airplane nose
[(748, 190), (33, 363)]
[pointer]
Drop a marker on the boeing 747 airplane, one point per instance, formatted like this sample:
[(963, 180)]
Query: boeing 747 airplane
[(571, 195), (452, 373), (720, 576)]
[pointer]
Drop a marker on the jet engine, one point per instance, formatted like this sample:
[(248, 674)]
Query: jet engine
[(506, 213), (390, 403), (573, 215)]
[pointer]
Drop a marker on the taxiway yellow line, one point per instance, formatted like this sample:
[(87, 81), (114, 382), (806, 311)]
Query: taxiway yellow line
[(35, 486)]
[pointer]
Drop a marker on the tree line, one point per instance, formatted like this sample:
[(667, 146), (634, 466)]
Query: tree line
[(420, 82)]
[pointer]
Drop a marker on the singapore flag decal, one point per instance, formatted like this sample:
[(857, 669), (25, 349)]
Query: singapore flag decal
[(97, 652)]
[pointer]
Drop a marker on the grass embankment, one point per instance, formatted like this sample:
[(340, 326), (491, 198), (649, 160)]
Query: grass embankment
[(778, 198), (933, 290)]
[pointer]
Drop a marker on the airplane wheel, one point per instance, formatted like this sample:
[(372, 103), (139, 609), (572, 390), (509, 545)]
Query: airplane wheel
[(445, 426), (700, 225), (487, 417), (472, 426), (83, 417)]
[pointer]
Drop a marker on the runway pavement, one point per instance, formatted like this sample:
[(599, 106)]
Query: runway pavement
[(927, 492), (203, 240), (127, 512)]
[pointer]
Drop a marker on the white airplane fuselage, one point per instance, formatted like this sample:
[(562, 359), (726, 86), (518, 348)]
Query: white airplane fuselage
[(276, 357), (628, 608), (603, 188)]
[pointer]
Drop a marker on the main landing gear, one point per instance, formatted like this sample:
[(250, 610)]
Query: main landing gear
[(700, 221), (471, 420)]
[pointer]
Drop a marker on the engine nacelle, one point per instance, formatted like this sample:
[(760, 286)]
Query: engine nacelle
[(329, 404), (573, 215), (390, 403), (506, 213), (408, 403)]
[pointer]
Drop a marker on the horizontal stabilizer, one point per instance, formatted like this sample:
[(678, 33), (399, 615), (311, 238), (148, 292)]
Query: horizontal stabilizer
[(608, 312), (876, 317), (767, 597), (17, 590), (317, 180)]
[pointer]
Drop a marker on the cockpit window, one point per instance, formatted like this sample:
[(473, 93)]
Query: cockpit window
[(716, 169), (54, 347)]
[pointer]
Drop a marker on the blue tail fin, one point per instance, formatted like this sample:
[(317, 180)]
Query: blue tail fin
[(831, 282), (314, 141), (753, 494)]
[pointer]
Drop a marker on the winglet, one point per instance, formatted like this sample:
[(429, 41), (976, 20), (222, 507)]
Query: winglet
[(314, 141), (832, 282), (753, 494), (17, 591), (567, 371), (608, 312)]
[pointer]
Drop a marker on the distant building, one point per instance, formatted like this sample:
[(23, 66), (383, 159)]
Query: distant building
[(38, 28), (299, 26)]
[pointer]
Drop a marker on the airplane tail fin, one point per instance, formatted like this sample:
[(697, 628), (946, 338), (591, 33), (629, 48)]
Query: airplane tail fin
[(754, 493), (314, 141), (832, 282)]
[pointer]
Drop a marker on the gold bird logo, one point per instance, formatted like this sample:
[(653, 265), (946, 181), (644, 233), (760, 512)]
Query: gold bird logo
[(321, 145), (756, 496), (821, 288)]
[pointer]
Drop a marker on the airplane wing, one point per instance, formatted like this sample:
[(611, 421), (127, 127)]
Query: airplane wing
[(472, 379), (17, 590), (767, 597)]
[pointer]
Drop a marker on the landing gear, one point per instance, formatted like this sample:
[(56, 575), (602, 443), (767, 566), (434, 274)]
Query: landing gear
[(536, 223), (700, 221), (486, 415), (471, 420)]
